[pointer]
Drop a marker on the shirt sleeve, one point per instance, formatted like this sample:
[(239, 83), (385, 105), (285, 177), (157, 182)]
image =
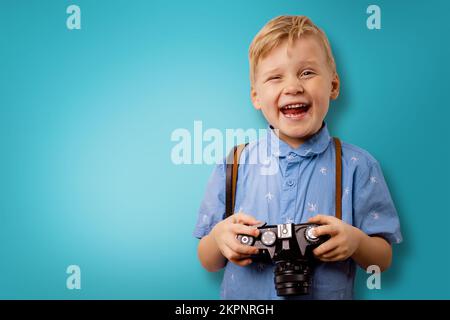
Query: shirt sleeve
[(212, 207), (373, 209)]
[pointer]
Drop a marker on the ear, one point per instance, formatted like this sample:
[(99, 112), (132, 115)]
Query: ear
[(335, 87), (255, 99)]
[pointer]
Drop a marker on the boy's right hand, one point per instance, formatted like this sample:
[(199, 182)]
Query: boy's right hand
[(225, 233)]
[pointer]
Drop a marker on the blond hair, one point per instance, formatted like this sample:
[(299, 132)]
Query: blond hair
[(277, 30)]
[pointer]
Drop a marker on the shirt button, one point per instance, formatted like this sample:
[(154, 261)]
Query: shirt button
[(290, 183)]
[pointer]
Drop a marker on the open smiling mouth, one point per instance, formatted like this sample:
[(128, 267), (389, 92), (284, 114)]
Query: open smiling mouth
[(295, 111)]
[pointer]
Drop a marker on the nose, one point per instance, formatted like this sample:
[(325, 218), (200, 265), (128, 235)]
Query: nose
[(293, 86)]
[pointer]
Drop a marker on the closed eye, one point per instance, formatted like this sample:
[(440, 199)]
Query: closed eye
[(273, 78)]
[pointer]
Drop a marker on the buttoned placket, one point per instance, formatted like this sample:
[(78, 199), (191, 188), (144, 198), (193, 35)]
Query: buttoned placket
[(290, 167)]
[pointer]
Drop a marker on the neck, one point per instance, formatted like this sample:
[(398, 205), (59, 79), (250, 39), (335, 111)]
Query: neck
[(292, 142)]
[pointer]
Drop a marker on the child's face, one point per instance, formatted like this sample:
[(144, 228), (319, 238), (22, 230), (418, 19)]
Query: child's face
[(298, 77)]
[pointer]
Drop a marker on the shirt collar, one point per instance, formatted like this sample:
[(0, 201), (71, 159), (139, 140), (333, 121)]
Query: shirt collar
[(317, 144)]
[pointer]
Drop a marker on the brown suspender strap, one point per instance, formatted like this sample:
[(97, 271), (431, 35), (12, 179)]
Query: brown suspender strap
[(232, 173), (231, 178), (237, 156), (228, 183), (338, 152)]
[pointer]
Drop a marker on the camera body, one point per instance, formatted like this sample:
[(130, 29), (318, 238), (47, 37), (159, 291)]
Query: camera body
[(290, 247)]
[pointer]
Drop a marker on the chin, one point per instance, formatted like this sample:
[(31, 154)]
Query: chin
[(294, 134), (297, 131)]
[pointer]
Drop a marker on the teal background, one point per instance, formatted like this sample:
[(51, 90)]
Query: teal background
[(86, 117)]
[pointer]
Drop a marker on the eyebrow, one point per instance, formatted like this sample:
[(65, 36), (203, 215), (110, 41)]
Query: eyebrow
[(271, 71), (311, 62)]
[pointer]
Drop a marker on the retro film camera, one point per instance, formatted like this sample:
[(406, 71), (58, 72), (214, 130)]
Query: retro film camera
[(290, 247)]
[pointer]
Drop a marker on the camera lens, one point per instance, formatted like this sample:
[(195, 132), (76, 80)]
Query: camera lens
[(292, 277)]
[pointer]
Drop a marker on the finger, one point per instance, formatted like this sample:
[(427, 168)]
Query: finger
[(326, 259), (243, 229), (334, 258), (242, 263), (332, 254), (325, 229), (245, 219), (227, 252), (239, 248), (325, 248), (321, 219), (232, 255)]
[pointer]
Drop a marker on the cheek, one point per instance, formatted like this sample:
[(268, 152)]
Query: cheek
[(321, 108), (270, 94), (321, 94)]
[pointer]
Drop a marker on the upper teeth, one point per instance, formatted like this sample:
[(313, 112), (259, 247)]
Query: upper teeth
[(292, 106)]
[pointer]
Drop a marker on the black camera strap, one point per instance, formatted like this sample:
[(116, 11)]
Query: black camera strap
[(232, 166)]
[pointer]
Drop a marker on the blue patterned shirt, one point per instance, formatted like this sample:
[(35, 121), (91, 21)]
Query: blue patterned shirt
[(290, 186)]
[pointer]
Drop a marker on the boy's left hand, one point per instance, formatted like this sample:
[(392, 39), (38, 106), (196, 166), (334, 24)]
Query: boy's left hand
[(344, 239)]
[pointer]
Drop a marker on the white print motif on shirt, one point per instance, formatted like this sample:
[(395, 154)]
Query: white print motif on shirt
[(269, 167), (312, 207), (375, 215)]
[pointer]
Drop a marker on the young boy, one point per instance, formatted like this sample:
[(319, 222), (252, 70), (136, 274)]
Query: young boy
[(293, 78)]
